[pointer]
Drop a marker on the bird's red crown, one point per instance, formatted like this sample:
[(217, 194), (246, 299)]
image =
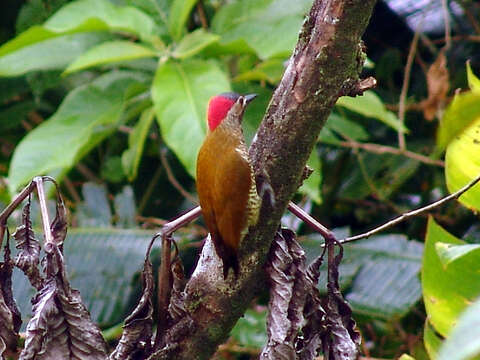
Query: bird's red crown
[(218, 108)]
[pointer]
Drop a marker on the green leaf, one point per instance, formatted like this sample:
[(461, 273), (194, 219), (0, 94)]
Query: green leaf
[(125, 209), (431, 340), (311, 186), (462, 163), (379, 276), (250, 330), (346, 128), (136, 142), (95, 15), (12, 116), (109, 52), (370, 105), (101, 264), (34, 12), (111, 169), (473, 81), (86, 116), (383, 174), (460, 114), (193, 43), (37, 48), (180, 95), (464, 340), (270, 27), (179, 12), (448, 253), (270, 70), (85, 16), (48, 54), (406, 357), (447, 291), (95, 210)]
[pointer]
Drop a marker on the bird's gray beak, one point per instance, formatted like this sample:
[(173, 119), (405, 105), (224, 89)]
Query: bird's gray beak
[(249, 97)]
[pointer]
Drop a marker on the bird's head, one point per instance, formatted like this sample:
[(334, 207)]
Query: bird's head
[(220, 105)]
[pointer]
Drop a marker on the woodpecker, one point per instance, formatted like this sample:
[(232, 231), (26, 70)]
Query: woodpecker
[(225, 179)]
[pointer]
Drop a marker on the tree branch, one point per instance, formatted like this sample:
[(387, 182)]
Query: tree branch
[(328, 55), (412, 213)]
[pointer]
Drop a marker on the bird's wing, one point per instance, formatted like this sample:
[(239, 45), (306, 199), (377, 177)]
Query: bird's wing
[(232, 189)]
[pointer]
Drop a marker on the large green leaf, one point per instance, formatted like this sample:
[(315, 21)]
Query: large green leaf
[(136, 141), (48, 54), (379, 275), (109, 52), (95, 211), (193, 43), (464, 340), (447, 291), (178, 16), (101, 264), (88, 15), (448, 253), (270, 70), (337, 124), (382, 174), (462, 162), (459, 115), (180, 94), (86, 116), (270, 27), (370, 105), (37, 47), (473, 81), (85, 16), (431, 340)]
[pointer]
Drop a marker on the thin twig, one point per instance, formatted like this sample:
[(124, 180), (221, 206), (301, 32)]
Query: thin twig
[(87, 173), (471, 18), (473, 38), (201, 14), (403, 94), (182, 220), (71, 189), (165, 274), (412, 213), (173, 181), (164, 289), (383, 149), (150, 188), (38, 180), (446, 19), (309, 220)]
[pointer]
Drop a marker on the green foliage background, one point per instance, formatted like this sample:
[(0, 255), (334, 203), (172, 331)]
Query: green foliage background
[(109, 97)]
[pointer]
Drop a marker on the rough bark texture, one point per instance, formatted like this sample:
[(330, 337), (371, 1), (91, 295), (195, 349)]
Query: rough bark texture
[(327, 58)]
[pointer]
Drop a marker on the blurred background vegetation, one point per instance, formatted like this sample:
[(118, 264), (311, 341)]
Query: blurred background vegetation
[(109, 97)]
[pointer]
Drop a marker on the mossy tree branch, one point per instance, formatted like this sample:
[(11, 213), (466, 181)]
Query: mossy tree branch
[(326, 63)]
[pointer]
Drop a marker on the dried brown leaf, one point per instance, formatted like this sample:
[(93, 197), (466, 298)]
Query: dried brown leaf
[(438, 85), (176, 307), (59, 223), (309, 344), (10, 319), (28, 257), (136, 340), (61, 327), (341, 340), (288, 284)]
